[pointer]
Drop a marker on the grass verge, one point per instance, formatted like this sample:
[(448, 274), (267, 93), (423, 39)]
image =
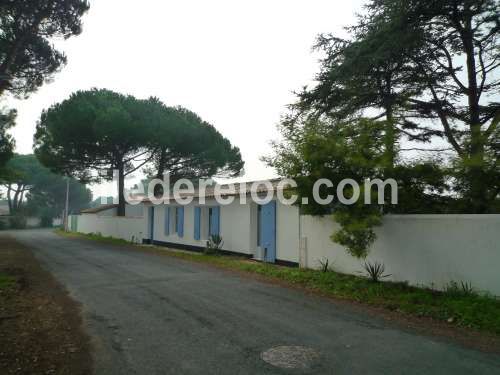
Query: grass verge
[(6, 281), (463, 309), (93, 236)]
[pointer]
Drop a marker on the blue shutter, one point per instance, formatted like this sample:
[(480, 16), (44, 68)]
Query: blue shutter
[(197, 222), (167, 221), (215, 222), (180, 221)]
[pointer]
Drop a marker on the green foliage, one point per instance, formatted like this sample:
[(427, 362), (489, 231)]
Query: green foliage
[(27, 55), (6, 281), (460, 289), (214, 245), (402, 65), (325, 265), (375, 271), (99, 130), (429, 68), (34, 190), (356, 228), (314, 149), (188, 147), (7, 121), (17, 221)]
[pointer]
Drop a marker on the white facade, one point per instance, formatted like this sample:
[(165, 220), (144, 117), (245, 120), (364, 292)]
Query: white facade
[(238, 227)]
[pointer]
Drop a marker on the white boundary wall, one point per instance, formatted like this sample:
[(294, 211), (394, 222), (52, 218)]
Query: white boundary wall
[(125, 228), (428, 250)]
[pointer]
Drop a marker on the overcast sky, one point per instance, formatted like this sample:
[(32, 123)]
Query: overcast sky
[(235, 63)]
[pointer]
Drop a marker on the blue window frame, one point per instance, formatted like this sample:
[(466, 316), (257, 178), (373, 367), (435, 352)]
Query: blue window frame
[(179, 220), (197, 223)]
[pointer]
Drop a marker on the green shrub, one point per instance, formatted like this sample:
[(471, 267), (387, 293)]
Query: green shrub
[(18, 222), (214, 244), (46, 222), (375, 271), (460, 289)]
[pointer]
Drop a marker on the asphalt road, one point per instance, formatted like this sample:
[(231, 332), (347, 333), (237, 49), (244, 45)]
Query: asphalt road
[(151, 314)]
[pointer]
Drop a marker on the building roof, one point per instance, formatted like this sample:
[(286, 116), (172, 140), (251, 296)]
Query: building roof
[(95, 210), (225, 192)]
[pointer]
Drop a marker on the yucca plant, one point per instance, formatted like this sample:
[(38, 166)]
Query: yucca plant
[(214, 244), (324, 264), (463, 288), (375, 271)]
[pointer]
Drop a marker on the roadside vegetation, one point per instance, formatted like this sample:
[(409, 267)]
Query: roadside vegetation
[(6, 281), (459, 305)]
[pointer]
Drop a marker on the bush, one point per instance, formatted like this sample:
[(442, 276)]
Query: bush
[(214, 244), (375, 271), (18, 222), (324, 265), (460, 289), (46, 222), (3, 225)]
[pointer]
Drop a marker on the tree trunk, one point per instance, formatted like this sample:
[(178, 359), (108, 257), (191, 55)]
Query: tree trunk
[(121, 188), (477, 194), (158, 192), (9, 199)]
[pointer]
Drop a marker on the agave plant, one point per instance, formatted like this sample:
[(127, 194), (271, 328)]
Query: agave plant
[(324, 264), (375, 271), (459, 289), (214, 244)]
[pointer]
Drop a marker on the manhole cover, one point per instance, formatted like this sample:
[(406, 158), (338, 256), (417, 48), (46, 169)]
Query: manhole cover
[(290, 357)]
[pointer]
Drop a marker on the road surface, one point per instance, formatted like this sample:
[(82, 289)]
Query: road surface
[(152, 314)]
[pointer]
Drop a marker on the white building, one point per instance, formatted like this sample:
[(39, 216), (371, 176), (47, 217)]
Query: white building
[(269, 230)]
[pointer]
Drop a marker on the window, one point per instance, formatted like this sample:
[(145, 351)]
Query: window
[(179, 221), (197, 223), (167, 221)]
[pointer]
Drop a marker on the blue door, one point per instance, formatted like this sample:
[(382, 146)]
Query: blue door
[(267, 231), (151, 223), (214, 221)]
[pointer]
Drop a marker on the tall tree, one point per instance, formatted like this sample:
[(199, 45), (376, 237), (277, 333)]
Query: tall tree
[(95, 131), (27, 57), (34, 189), (188, 147), (46, 198), (7, 120), (99, 130), (18, 178), (431, 69)]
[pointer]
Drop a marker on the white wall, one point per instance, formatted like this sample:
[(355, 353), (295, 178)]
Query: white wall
[(287, 232), (429, 250), (117, 227), (130, 211)]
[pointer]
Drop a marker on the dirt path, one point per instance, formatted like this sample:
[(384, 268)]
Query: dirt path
[(40, 325)]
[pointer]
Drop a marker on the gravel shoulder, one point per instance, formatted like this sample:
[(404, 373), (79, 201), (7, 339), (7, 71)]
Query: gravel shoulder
[(40, 325)]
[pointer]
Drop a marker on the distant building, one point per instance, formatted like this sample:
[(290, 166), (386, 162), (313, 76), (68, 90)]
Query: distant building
[(101, 201), (4, 208)]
